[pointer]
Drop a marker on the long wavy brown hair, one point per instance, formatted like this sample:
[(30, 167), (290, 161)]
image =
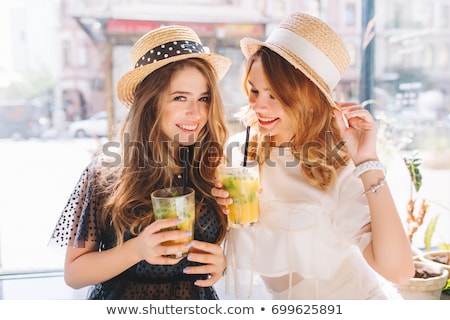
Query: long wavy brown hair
[(314, 126), (150, 159)]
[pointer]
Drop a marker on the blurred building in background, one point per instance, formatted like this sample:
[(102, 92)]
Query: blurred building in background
[(85, 47), (86, 44), (413, 57)]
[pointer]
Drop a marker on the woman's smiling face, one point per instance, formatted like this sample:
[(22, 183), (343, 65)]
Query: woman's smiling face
[(272, 119), (185, 106)]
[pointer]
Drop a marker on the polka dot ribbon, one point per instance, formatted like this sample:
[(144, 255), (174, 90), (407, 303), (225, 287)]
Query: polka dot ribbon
[(168, 50)]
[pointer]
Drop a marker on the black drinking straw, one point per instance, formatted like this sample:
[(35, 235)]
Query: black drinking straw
[(185, 160), (247, 138)]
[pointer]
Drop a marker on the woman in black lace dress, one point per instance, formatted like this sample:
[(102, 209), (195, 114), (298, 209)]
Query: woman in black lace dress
[(113, 242)]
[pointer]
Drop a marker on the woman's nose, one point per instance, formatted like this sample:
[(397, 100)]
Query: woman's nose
[(259, 103), (194, 110)]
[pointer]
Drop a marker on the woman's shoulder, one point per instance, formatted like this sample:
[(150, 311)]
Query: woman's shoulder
[(97, 170)]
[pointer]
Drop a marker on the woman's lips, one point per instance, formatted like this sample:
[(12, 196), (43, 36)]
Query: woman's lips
[(188, 127), (267, 121)]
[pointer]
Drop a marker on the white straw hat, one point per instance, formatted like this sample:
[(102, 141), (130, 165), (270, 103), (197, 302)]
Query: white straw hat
[(309, 45), (160, 47)]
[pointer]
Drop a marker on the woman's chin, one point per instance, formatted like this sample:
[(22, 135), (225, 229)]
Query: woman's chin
[(186, 139)]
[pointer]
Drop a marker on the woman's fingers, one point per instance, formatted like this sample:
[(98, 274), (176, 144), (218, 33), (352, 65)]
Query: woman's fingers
[(222, 198), (353, 115), (341, 121), (157, 225), (156, 245), (220, 193), (212, 262)]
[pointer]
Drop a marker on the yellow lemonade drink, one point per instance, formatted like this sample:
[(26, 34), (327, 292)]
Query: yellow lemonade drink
[(242, 183), (172, 203)]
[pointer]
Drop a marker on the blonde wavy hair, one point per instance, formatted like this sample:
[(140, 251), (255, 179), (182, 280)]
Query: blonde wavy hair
[(314, 126), (147, 161)]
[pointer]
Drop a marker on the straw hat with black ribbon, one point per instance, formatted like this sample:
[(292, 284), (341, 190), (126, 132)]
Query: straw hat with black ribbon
[(311, 46), (160, 47)]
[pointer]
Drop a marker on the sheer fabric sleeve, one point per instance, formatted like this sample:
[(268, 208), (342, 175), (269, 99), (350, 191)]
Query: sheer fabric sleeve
[(352, 216), (77, 223)]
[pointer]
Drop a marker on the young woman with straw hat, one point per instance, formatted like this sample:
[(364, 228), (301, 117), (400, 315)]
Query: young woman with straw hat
[(113, 242), (329, 227)]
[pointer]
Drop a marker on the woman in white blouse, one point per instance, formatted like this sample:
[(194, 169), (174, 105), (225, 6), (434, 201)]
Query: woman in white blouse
[(329, 228)]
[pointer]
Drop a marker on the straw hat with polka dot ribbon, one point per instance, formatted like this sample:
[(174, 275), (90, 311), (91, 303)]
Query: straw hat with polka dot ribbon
[(160, 47), (309, 45)]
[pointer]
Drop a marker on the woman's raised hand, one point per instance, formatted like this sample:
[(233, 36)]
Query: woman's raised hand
[(358, 129)]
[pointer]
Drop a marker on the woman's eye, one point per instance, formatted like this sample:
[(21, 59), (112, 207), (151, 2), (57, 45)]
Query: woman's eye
[(180, 98), (253, 91), (205, 99)]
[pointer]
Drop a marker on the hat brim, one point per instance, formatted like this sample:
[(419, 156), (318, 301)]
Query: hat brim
[(249, 46), (127, 84)]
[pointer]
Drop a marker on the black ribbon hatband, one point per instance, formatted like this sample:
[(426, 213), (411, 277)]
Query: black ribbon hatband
[(168, 50)]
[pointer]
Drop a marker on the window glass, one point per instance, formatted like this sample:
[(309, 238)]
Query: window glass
[(350, 14)]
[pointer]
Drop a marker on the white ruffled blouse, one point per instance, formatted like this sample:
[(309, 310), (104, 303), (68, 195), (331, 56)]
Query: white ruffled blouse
[(308, 242)]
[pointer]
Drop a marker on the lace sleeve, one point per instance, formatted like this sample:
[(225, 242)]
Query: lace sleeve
[(77, 223)]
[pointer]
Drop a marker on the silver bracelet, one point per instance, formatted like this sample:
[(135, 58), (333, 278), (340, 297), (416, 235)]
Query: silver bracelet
[(374, 189), (368, 165)]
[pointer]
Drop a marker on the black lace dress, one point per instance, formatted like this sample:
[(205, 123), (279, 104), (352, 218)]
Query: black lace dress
[(78, 224)]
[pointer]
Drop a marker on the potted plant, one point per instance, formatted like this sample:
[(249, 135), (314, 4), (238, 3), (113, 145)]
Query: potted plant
[(440, 257), (430, 279)]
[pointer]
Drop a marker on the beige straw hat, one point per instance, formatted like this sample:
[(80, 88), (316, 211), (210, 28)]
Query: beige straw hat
[(160, 47), (310, 46)]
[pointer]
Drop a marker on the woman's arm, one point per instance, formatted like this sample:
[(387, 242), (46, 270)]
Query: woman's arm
[(88, 266), (389, 252)]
